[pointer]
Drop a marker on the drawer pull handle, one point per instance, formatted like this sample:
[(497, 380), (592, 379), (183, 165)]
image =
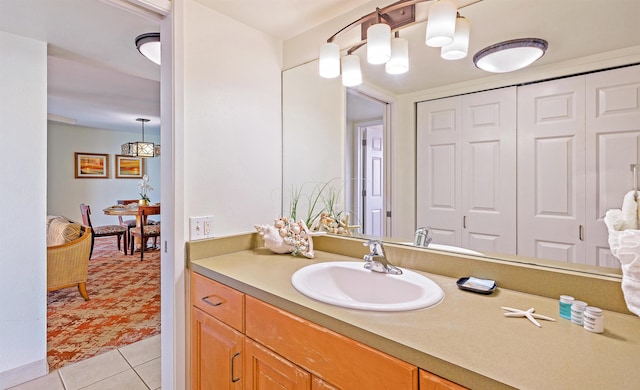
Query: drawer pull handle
[(206, 300), (233, 379)]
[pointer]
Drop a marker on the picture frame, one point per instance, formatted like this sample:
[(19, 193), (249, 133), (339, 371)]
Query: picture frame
[(129, 167), (91, 165)]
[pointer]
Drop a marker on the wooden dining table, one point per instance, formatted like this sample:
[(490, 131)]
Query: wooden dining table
[(129, 209)]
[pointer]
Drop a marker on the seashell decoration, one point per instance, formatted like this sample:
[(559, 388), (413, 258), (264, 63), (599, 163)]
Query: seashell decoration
[(287, 236), (333, 224)]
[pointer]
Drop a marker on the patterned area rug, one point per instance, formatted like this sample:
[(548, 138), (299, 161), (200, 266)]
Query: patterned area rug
[(124, 306)]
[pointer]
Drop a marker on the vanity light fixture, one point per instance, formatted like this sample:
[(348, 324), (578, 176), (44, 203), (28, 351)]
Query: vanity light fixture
[(141, 148), (375, 32), (510, 55), (378, 42), (351, 73), (399, 62), (148, 45), (441, 23), (458, 49)]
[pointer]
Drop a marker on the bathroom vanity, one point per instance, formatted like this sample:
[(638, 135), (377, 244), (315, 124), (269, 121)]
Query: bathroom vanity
[(250, 327)]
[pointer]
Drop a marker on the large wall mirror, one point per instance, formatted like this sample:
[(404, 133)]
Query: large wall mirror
[(317, 132)]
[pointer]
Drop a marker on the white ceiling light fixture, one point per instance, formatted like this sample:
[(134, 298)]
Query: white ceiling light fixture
[(148, 45), (510, 55), (141, 148), (459, 48), (375, 32), (351, 73), (399, 62), (441, 23)]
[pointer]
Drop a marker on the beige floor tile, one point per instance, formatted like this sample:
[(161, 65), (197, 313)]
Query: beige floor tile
[(49, 382), (150, 372), (143, 351), (87, 372), (126, 380)]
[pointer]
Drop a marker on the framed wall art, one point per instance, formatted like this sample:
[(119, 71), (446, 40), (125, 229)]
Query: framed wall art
[(129, 167), (91, 165)]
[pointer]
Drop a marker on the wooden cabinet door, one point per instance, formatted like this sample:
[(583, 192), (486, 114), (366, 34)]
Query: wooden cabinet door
[(216, 353), (265, 370), (429, 381)]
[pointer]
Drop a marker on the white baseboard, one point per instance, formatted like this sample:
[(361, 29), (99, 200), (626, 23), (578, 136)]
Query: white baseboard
[(22, 374)]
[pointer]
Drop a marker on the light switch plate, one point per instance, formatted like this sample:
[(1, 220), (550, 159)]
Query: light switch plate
[(200, 227)]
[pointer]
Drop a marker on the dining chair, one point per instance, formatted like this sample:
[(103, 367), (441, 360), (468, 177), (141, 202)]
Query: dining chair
[(145, 230), (128, 223), (104, 230)]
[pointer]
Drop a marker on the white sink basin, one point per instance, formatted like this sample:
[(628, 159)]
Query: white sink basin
[(348, 284)]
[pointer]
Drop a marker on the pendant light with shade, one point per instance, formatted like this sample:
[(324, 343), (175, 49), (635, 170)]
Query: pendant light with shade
[(140, 148)]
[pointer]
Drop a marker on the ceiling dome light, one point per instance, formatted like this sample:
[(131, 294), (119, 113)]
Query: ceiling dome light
[(458, 49), (399, 62), (510, 55), (351, 73), (441, 23), (329, 61), (378, 43), (149, 46)]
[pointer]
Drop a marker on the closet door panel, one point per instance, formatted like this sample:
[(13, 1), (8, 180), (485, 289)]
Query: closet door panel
[(613, 139), (489, 171), (439, 169), (551, 185)]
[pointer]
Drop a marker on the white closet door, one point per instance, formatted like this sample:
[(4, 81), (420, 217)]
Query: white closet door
[(613, 138), (551, 186), (489, 171), (439, 168)]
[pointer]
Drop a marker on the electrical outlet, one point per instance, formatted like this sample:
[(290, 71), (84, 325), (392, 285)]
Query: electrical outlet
[(200, 227)]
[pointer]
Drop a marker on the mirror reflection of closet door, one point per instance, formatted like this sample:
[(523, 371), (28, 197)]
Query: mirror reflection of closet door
[(373, 174), (613, 144), (551, 172)]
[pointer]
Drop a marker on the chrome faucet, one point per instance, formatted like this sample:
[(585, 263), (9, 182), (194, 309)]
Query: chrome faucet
[(422, 237), (376, 260)]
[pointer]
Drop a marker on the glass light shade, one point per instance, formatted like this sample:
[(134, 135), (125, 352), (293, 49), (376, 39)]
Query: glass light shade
[(459, 48), (510, 55), (149, 46), (329, 60), (399, 62), (378, 43), (145, 149), (441, 23), (351, 73)]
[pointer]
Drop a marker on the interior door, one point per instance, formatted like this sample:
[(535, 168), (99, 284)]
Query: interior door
[(613, 144), (373, 196), (438, 170), (551, 176), (489, 171)]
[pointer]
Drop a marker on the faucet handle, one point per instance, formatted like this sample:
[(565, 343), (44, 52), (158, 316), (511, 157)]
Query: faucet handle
[(375, 247)]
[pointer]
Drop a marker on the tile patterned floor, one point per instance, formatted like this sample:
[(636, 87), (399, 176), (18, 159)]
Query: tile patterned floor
[(135, 366)]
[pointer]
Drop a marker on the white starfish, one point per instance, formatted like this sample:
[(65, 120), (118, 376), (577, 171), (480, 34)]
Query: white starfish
[(526, 313)]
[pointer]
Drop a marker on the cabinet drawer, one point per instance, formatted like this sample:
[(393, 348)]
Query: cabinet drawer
[(218, 300), (338, 360)]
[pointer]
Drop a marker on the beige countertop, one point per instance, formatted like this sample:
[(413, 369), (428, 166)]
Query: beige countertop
[(465, 338)]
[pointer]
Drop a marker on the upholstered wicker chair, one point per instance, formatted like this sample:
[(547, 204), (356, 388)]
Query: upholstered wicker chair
[(104, 230), (68, 263), (145, 230)]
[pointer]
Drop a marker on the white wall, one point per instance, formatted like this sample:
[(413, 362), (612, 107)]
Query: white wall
[(23, 158), (225, 117), (65, 192), (232, 121)]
